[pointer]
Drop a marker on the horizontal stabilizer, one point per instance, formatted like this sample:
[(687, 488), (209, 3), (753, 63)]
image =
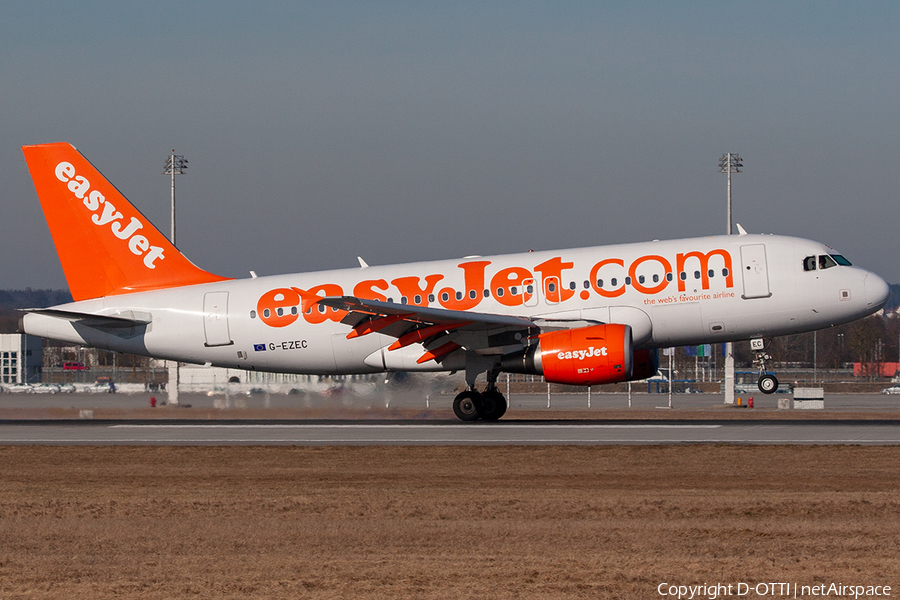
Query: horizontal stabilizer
[(123, 321)]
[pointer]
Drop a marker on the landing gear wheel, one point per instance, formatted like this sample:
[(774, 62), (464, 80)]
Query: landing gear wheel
[(493, 405), (467, 406), (767, 384)]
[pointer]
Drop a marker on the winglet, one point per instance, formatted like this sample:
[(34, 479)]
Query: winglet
[(106, 246)]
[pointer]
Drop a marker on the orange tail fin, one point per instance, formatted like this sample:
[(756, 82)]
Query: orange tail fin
[(106, 246)]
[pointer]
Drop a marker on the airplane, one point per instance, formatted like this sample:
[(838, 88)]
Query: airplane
[(583, 316)]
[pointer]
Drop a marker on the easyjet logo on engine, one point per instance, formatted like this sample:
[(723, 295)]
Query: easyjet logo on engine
[(105, 213), (591, 352)]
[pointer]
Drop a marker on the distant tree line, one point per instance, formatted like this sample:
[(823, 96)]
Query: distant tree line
[(10, 300)]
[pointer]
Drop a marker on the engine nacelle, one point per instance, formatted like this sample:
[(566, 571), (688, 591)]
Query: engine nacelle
[(585, 356), (645, 364)]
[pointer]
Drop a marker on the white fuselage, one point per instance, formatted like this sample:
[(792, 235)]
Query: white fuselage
[(672, 293)]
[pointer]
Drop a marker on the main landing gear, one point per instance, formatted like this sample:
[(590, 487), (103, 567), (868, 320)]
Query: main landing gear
[(472, 405), (767, 383), (488, 405)]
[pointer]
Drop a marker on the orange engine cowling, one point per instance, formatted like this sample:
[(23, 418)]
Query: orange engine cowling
[(585, 356)]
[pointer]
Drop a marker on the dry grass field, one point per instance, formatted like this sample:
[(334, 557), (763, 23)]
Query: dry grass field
[(441, 522)]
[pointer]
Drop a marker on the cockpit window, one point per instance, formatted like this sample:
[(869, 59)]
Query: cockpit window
[(826, 262), (841, 260)]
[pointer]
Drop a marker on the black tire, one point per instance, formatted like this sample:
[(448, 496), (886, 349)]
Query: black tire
[(493, 405), (467, 406), (767, 384)]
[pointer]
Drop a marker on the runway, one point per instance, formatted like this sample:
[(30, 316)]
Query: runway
[(443, 434)]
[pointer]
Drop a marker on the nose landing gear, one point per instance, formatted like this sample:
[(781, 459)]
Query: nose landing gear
[(767, 383)]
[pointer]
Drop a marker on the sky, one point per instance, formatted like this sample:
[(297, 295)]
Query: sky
[(317, 132)]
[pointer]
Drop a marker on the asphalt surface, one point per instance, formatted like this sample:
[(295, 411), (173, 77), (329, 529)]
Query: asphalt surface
[(417, 433), (419, 400), (220, 420)]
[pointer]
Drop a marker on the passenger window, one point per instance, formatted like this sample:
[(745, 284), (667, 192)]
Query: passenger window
[(712, 273), (655, 278), (683, 276), (809, 263), (572, 285), (669, 277), (499, 292)]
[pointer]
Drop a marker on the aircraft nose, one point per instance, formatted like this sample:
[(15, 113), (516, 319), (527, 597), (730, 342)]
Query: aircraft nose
[(877, 291)]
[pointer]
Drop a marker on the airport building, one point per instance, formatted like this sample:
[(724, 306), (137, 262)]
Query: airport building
[(20, 358)]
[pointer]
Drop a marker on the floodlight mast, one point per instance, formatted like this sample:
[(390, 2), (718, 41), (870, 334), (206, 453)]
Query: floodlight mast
[(175, 165), (729, 163)]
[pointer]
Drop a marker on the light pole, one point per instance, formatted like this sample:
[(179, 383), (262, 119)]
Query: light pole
[(175, 165), (729, 163)]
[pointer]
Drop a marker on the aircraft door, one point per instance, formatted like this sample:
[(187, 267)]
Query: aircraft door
[(215, 319), (754, 271)]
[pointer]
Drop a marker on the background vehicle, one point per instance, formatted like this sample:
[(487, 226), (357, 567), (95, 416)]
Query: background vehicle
[(45, 388)]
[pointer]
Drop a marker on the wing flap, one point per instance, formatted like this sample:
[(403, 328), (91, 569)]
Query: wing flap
[(412, 324)]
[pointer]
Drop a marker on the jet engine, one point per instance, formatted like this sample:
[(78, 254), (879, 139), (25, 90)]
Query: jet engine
[(584, 356), (644, 364)]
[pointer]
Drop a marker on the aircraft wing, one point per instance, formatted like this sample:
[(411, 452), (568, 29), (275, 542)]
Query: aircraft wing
[(439, 330)]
